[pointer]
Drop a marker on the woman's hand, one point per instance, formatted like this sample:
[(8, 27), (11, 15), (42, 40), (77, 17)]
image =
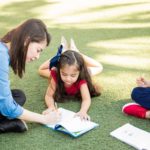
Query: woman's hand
[(82, 115), (50, 109), (52, 117)]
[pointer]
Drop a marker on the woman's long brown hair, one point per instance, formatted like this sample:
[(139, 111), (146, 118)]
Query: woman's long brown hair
[(32, 30)]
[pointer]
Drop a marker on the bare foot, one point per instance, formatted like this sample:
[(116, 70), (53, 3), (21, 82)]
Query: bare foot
[(64, 44), (73, 46)]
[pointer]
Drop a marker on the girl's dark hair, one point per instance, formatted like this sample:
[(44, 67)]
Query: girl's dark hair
[(32, 30), (73, 58)]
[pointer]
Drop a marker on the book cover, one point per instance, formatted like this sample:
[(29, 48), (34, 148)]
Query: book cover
[(71, 125), (133, 136)]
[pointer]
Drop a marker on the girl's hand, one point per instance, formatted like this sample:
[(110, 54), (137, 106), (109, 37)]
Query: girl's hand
[(82, 115)]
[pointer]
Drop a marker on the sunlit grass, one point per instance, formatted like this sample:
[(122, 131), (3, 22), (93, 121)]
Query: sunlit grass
[(103, 25), (139, 43), (126, 61), (66, 11)]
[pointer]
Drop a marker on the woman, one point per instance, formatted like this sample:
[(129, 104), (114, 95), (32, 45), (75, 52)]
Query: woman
[(20, 45)]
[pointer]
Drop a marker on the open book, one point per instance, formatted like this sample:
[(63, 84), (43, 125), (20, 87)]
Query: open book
[(133, 136), (71, 125)]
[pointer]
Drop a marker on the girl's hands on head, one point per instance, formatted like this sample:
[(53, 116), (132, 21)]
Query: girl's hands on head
[(82, 115)]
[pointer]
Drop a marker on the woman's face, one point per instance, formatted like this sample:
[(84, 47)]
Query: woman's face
[(34, 50)]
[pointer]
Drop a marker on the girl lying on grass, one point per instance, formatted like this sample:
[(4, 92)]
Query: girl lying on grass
[(70, 77)]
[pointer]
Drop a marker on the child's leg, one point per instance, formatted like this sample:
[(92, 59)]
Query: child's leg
[(136, 110), (141, 96), (93, 66), (44, 69)]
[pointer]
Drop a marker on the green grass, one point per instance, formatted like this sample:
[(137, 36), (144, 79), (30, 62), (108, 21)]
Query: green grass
[(117, 34)]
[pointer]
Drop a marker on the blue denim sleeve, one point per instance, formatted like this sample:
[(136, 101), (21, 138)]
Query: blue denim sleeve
[(8, 107)]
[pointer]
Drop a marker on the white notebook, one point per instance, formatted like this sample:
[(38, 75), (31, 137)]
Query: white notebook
[(72, 125), (133, 136)]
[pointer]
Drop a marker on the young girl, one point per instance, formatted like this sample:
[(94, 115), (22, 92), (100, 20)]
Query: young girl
[(22, 44), (70, 78), (141, 96)]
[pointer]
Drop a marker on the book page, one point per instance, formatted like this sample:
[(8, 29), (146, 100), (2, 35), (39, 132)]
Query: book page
[(77, 125), (65, 115), (133, 136), (74, 124)]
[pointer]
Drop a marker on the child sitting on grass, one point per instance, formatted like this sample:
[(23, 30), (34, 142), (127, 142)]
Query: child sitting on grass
[(141, 97)]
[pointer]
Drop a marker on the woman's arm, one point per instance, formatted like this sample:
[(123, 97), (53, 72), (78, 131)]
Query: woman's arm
[(44, 69), (49, 118)]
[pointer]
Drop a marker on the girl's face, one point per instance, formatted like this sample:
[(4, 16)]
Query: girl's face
[(69, 74), (34, 50)]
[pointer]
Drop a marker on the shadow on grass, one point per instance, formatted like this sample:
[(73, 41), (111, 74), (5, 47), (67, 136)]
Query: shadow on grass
[(14, 13)]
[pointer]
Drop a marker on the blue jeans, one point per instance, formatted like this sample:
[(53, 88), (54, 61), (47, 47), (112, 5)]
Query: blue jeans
[(141, 96)]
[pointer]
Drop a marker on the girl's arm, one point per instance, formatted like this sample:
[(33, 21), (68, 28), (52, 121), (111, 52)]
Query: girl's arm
[(49, 100), (48, 116), (44, 69), (86, 102)]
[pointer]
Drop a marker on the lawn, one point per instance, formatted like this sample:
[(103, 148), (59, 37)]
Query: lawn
[(116, 33)]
